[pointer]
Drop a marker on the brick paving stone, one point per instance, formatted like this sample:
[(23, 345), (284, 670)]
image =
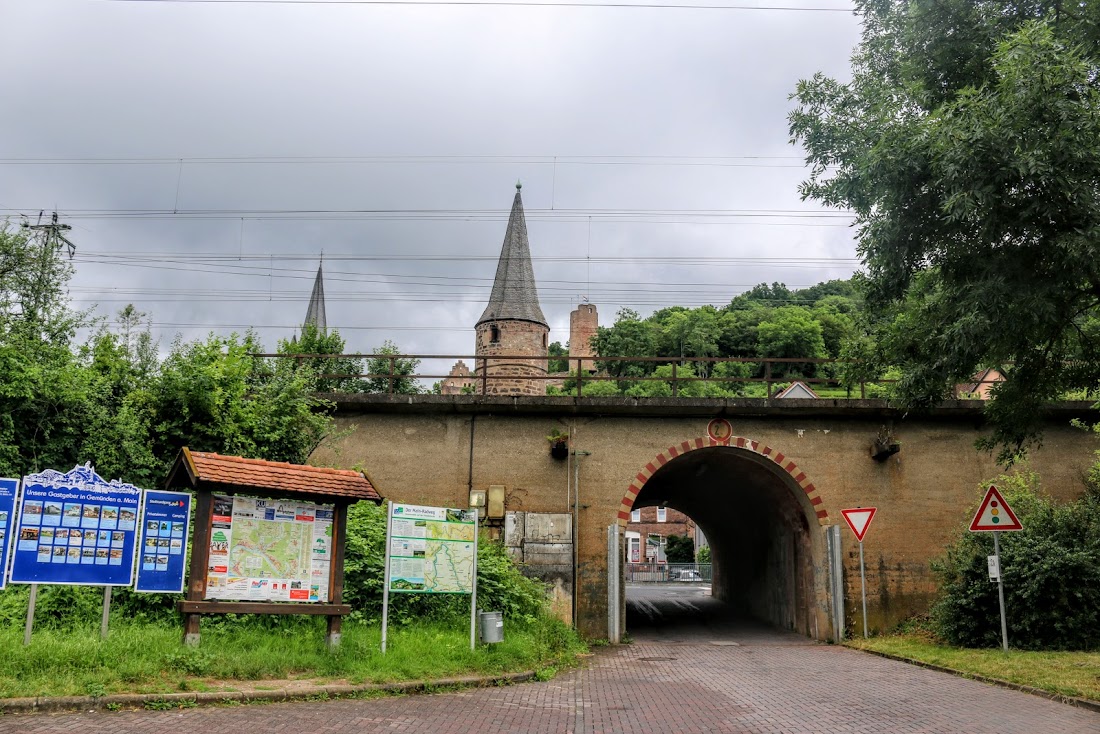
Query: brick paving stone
[(754, 681)]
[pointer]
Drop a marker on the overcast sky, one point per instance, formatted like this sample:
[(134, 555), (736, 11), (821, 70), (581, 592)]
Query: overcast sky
[(205, 155)]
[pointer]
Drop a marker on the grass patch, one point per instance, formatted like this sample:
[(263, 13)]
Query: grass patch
[(149, 658), (1065, 673)]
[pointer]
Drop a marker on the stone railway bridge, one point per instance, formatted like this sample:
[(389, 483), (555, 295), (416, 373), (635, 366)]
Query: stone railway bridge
[(764, 479)]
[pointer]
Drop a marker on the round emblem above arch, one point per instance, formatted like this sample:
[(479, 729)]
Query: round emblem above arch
[(720, 433)]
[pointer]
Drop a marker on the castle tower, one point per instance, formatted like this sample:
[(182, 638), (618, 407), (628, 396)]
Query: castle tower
[(583, 324), (315, 313), (512, 325)]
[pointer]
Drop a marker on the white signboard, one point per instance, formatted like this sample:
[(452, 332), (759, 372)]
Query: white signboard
[(431, 549)]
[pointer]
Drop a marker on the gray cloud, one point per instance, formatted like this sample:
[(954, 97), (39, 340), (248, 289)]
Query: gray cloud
[(129, 80)]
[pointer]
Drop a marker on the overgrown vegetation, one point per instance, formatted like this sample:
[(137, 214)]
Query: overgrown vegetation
[(149, 658), (1051, 573), (964, 144)]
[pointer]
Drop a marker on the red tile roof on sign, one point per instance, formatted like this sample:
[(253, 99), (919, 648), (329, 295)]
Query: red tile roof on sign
[(276, 475)]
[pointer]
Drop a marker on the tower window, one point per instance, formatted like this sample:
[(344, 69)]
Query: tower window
[(494, 334), (544, 340)]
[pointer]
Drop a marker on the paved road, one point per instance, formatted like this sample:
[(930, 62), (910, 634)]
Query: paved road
[(711, 675)]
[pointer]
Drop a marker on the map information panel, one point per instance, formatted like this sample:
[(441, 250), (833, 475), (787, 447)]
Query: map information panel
[(269, 550), (432, 549)]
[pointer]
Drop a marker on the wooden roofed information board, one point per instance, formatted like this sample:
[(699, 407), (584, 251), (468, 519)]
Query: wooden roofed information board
[(269, 537)]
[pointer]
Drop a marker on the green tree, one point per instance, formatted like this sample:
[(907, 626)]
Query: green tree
[(395, 374), (964, 144), (680, 549), (214, 395), (554, 366), (314, 340), (791, 332), (43, 390), (629, 337)]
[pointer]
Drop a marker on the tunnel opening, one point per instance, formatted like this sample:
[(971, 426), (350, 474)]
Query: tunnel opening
[(756, 519)]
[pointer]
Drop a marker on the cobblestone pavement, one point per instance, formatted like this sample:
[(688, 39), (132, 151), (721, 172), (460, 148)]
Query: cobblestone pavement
[(706, 678)]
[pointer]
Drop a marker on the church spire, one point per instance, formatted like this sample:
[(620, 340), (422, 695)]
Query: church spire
[(514, 294), (315, 314)]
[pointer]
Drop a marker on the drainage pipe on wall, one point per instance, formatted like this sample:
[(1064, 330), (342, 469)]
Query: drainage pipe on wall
[(577, 454)]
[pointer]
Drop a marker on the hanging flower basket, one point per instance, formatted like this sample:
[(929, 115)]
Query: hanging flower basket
[(559, 444)]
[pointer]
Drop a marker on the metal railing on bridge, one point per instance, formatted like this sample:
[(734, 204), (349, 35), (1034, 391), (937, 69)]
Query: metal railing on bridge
[(659, 573), (758, 377)]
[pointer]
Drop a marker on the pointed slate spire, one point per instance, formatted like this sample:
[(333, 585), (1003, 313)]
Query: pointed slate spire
[(514, 293), (315, 314)]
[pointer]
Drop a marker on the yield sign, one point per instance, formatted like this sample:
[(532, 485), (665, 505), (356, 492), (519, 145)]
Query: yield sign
[(994, 514), (859, 520)]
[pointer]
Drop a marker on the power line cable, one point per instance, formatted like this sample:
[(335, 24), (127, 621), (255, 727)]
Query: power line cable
[(504, 3)]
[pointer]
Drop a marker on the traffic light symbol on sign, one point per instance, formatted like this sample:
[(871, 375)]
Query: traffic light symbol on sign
[(994, 514)]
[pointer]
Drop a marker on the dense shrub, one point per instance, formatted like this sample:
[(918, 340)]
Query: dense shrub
[(1051, 572)]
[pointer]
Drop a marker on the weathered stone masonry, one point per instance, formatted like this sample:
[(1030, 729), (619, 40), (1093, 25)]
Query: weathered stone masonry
[(418, 450)]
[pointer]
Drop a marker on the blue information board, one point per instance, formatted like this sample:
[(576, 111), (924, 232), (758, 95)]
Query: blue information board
[(76, 528), (162, 552), (8, 489)]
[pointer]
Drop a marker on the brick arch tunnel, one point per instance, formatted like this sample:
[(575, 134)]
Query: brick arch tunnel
[(759, 514)]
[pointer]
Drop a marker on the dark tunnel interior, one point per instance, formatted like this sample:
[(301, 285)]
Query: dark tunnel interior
[(756, 526)]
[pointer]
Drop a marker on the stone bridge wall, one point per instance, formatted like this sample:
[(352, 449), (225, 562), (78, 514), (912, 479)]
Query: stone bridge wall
[(432, 449)]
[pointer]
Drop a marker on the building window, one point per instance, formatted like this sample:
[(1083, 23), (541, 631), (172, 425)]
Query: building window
[(544, 340), (635, 516), (662, 514), (494, 334)]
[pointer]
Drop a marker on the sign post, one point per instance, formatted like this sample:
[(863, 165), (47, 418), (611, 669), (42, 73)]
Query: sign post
[(859, 519), (995, 516), (430, 550)]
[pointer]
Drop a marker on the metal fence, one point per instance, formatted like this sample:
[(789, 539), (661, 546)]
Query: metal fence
[(658, 573), (389, 370)]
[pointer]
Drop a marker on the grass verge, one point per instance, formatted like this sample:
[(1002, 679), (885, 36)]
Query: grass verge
[(150, 658), (1074, 674)]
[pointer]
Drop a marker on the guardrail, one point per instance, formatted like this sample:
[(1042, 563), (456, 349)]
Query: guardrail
[(767, 371), (660, 573)]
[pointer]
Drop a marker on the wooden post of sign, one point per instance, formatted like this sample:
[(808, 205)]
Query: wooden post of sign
[(336, 577), (200, 559)]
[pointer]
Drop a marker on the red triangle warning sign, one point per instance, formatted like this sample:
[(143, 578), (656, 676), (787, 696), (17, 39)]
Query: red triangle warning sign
[(994, 514), (859, 520)]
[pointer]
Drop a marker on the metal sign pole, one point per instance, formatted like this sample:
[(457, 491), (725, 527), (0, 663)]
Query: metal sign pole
[(30, 615), (106, 612), (863, 588), (386, 576), (473, 590), (1001, 591)]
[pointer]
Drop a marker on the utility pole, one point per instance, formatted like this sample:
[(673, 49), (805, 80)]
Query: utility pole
[(53, 233), (52, 237)]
